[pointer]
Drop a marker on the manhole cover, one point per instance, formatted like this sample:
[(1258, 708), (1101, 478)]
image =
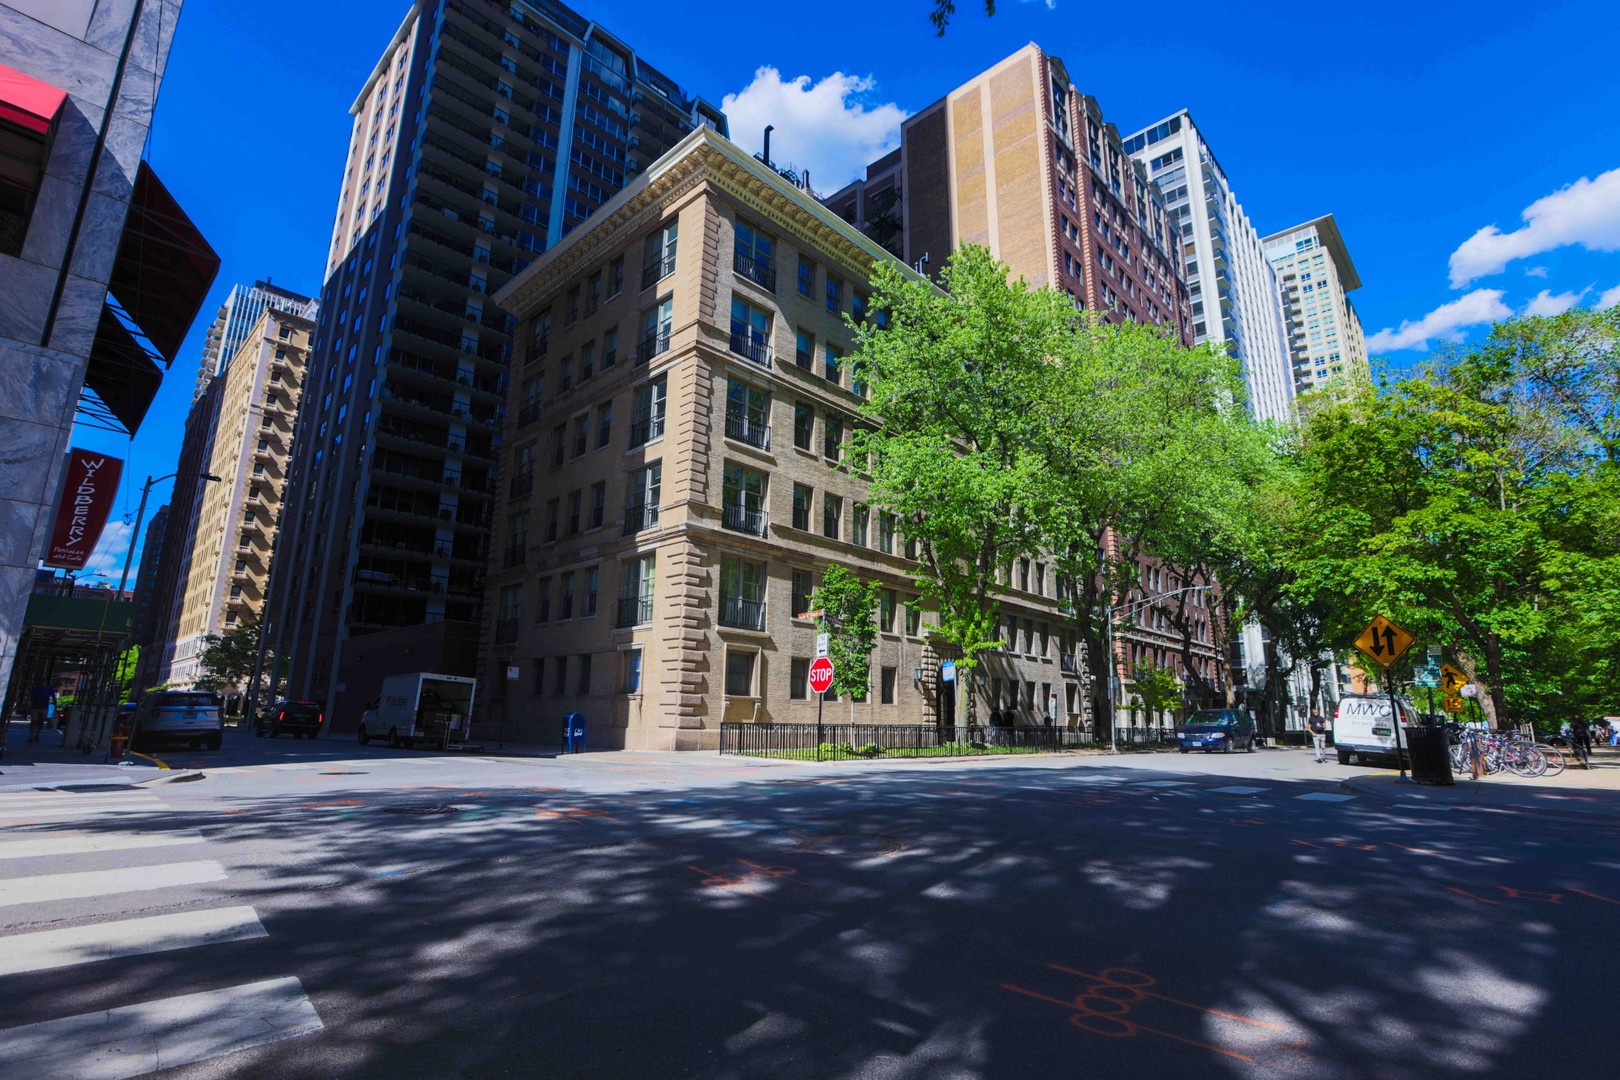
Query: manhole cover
[(422, 810)]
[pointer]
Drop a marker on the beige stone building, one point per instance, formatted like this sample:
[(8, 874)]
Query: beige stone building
[(678, 403), (235, 531), (1315, 277)]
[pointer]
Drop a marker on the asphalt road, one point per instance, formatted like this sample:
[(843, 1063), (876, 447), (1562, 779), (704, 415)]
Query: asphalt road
[(314, 909)]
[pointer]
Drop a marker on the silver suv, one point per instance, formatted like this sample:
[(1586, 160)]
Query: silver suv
[(174, 716)]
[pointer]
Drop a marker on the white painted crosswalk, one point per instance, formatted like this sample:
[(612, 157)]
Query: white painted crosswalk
[(137, 1039), (41, 868)]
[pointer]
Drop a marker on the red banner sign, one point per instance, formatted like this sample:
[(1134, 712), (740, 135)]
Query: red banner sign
[(87, 499)]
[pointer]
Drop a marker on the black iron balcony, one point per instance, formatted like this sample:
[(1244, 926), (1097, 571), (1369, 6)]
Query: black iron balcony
[(741, 614), (506, 631), (653, 344), (635, 610), (754, 348), (521, 484), (646, 427), (741, 428), (639, 516), (761, 271), (658, 268), (739, 517), (529, 414)]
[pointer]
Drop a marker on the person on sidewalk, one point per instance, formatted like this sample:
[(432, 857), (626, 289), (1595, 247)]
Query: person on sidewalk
[(39, 705), (1318, 729)]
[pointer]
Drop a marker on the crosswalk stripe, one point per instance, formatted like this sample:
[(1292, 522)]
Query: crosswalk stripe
[(80, 844), (77, 886), (1325, 796), (137, 1039), (86, 812), (128, 937), (72, 801)]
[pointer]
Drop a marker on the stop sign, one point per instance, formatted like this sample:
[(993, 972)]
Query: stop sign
[(821, 674)]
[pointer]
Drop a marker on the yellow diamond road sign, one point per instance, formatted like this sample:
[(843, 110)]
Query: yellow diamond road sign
[(1451, 680), (1384, 641)]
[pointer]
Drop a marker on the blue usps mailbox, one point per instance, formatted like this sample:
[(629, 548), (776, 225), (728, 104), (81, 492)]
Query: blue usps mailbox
[(574, 733)]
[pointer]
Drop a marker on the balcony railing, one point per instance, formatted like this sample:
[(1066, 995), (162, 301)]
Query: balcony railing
[(741, 614), (740, 518), (741, 428), (506, 631), (513, 556), (646, 428), (635, 610), (761, 272), (653, 344), (639, 516), (755, 349), (521, 484), (529, 414), (658, 268)]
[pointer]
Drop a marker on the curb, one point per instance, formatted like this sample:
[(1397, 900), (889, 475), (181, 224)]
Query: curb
[(183, 776), (1359, 786)]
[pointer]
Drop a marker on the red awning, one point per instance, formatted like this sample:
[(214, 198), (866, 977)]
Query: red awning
[(27, 102)]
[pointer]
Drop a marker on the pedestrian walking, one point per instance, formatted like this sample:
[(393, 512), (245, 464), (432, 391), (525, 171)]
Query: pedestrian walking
[(1317, 725), (39, 706)]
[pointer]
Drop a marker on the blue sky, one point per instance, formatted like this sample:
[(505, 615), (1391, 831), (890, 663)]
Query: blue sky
[(1417, 124)]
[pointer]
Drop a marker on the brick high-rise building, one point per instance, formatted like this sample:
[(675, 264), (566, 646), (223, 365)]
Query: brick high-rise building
[(1019, 160), (486, 132)]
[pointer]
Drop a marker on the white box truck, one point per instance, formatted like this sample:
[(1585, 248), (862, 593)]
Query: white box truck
[(1362, 727), (421, 708)]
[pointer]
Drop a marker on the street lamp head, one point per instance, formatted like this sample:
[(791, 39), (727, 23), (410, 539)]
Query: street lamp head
[(211, 476)]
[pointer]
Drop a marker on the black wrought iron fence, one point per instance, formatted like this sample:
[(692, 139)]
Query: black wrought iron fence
[(850, 742)]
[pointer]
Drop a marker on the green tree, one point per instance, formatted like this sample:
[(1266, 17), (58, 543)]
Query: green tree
[(1145, 450), (227, 659), (945, 9), (1157, 687), (847, 604), (1474, 503), (954, 377), (124, 672)]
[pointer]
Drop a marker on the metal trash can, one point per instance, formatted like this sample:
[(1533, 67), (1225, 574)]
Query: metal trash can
[(574, 733), (1430, 752)]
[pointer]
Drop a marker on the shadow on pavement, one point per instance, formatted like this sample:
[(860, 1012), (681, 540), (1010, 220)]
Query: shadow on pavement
[(1017, 923)]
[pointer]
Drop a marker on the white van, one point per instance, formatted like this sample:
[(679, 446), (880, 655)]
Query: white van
[(1361, 726)]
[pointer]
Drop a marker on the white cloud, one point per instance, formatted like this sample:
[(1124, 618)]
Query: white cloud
[(1609, 299), (107, 560), (1551, 303), (1445, 322), (828, 127), (1536, 271), (1585, 213)]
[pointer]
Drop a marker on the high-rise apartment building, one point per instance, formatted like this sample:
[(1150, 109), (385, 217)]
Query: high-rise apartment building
[(234, 531), (486, 132), (1230, 284), (91, 243), (672, 495), (1314, 278), (236, 319), (146, 578), (1019, 160)]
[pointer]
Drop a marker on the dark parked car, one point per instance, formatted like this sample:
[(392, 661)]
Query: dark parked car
[(301, 719), (1226, 730)]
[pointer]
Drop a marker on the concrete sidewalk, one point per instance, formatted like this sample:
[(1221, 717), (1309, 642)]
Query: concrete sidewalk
[(48, 763), (1577, 792)]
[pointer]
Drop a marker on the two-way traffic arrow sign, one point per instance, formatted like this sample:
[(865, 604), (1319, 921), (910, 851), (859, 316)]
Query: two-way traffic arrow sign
[(1384, 641)]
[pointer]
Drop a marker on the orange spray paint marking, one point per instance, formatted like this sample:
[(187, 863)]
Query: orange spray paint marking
[(1595, 896), (1134, 982), (1105, 1016)]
